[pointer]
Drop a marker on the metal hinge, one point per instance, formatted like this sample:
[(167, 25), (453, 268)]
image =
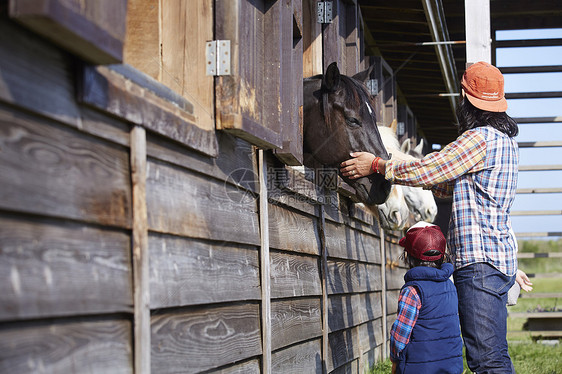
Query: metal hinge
[(217, 53), (324, 12), (373, 86)]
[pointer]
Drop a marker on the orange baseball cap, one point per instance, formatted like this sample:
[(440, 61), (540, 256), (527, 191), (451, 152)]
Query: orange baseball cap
[(483, 86)]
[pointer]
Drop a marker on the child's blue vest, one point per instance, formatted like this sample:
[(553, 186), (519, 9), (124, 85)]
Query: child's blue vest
[(435, 344)]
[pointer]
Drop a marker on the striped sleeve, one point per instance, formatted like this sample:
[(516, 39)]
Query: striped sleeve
[(409, 304), (465, 155)]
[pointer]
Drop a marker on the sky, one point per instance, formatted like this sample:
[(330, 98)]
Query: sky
[(535, 82)]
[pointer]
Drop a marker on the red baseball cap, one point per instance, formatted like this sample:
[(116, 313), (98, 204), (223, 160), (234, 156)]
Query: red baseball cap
[(483, 86), (423, 237)]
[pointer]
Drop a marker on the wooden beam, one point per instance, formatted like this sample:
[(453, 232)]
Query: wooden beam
[(383, 298), (555, 119), (539, 167), (324, 274), (539, 190), (528, 43), (533, 95), (540, 144), (537, 234), (265, 266), (531, 69), (539, 255), (536, 213), (477, 20), (141, 294)]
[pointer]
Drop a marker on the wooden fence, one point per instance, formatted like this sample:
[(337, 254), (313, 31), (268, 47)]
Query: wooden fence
[(132, 239)]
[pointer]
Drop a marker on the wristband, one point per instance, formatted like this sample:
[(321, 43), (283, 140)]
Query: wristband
[(375, 165)]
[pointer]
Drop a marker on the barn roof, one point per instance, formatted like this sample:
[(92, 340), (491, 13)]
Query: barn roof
[(395, 29)]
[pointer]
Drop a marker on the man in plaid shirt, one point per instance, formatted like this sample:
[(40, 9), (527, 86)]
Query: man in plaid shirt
[(479, 170)]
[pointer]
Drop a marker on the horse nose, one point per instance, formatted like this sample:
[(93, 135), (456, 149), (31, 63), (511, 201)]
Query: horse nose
[(396, 217)]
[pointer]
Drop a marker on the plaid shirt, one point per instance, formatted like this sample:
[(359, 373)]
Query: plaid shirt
[(409, 305), (479, 169)]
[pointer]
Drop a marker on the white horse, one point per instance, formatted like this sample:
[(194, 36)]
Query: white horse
[(428, 207), (419, 202)]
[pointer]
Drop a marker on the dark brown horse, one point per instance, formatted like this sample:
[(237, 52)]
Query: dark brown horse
[(339, 119)]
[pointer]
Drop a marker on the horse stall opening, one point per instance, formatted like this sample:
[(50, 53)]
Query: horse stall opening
[(150, 216)]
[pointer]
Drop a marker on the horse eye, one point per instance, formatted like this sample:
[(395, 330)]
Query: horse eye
[(352, 122)]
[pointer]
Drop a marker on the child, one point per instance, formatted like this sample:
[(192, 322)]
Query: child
[(426, 337)]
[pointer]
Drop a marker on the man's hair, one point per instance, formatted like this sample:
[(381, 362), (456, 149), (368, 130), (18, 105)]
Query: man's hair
[(471, 117)]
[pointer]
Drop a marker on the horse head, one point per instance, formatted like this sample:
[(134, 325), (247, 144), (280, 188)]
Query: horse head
[(339, 119)]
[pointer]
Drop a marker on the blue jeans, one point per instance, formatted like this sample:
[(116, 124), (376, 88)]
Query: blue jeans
[(482, 292)]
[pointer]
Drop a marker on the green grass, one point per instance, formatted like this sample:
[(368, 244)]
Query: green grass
[(527, 358), (540, 265)]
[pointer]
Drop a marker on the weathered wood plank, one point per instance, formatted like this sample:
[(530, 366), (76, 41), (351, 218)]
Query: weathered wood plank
[(312, 40), (333, 43), (51, 170), (295, 320), (352, 40), (50, 268), (234, 164), (294, 275), (36, 75), (395, 277), (370, 335), (292, 232), (94, 30), (142, 39), (183, 203), (123, 91), (346, 243), (89, 346), (265, 273), (141, 290), (239, 96), (290, 187), (346, 311), (204, 338), (298, 359), (392, 302), (291, 88), (364, 214), (349, 368), (250, 367), (348, 346), (347, 277), (342, 348), (188, 272), (370, 358)]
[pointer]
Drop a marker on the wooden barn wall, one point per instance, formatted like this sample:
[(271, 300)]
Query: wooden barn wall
[(70, 273)]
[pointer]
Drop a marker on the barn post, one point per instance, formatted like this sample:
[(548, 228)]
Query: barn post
[(324, 282), (477, 21), (141, 298), (383, 296), (264, 265)]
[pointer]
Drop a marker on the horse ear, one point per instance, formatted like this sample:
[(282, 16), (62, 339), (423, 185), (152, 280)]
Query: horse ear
[(406, 146), (419, 147), (363, 76), (332, 77), (394, 125)]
